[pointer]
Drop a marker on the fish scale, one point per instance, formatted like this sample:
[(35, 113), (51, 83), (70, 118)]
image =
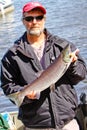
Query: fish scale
[(48, 77)]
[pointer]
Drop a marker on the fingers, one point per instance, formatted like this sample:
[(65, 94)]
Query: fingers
[(73, 55), (33, 95)]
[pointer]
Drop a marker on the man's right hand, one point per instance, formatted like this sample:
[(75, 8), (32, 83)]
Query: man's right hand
[(33, 95)]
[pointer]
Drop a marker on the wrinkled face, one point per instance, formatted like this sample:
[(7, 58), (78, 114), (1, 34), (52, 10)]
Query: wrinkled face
[(34, 22)]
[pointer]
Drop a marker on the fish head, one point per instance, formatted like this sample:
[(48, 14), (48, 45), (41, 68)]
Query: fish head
[(65, 53)]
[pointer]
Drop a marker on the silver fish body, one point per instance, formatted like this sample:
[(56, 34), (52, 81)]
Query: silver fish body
[(48, 77)]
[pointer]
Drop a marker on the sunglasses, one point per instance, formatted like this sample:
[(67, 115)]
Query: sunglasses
[(31, 18)]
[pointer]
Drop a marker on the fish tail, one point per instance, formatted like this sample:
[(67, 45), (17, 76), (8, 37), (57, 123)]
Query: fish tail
[(16, 98)]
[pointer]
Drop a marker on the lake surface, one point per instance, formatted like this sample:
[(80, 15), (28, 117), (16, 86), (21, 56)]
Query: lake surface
[(65, 18)]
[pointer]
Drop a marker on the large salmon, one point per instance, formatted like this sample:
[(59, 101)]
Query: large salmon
[(48, 77)]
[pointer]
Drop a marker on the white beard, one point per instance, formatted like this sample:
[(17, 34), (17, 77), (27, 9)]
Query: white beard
[(35, 32)]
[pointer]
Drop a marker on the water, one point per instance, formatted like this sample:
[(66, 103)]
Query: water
[(65, 18)]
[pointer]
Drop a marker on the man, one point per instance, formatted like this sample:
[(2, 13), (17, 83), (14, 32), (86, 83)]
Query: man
[(33, 52)]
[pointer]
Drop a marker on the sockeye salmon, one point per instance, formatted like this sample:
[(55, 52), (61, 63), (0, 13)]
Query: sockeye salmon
[(48, 77)]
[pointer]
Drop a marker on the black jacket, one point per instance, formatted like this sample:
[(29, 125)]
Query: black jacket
[(20, 67)]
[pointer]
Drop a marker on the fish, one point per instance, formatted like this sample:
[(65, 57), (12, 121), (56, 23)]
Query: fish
[(48, 77)]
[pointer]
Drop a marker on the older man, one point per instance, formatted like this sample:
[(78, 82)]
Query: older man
[(31, 53)]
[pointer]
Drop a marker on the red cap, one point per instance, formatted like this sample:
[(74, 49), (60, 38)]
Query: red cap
[(31, 5)]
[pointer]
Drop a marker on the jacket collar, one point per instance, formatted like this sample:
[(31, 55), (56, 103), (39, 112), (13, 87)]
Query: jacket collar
[(50, 41), (54, 40)]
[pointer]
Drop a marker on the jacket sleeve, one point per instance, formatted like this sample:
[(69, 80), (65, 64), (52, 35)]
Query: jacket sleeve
[(9, 75), (77, 70), (10, 82)]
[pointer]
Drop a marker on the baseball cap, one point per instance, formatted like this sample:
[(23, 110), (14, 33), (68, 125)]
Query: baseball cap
[(31, 5)]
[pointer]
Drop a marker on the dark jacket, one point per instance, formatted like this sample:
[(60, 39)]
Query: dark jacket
[(20, 66)]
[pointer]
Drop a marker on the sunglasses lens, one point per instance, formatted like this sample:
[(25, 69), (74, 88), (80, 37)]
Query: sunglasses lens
[(38, 18), (31, 18)]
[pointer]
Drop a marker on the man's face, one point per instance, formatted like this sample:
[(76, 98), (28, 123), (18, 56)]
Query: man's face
[(34, 22)]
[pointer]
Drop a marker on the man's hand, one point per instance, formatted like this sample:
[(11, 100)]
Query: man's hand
[(73, 55), (33, 95)]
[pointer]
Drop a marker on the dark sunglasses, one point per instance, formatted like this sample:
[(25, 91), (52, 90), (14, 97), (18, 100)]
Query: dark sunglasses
[(31, 18)]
